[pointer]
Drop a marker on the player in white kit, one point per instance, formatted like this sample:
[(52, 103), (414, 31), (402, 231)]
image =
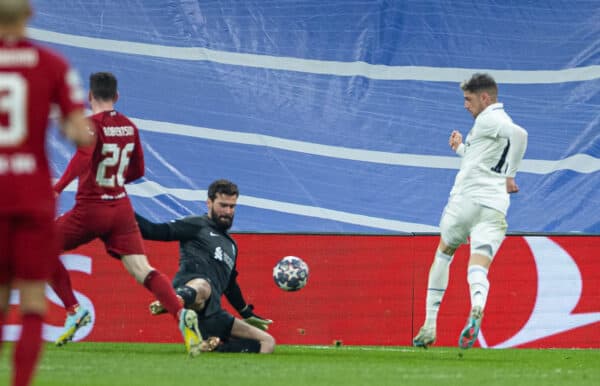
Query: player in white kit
[(477, 204)]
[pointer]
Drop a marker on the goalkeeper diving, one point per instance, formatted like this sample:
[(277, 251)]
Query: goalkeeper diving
[(207, 270)]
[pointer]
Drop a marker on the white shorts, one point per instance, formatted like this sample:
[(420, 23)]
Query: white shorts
[(463, 218)]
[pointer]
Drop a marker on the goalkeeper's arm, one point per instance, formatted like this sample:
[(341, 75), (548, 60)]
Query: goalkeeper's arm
[(233, 293)]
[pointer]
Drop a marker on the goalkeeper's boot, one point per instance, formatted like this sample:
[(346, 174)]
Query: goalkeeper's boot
[(188, 325), (156, 307), (425, 337), (210, 344), (468, 336), (74, 322)]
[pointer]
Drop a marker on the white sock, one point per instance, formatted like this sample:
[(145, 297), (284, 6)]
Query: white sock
[(436, 287), (479, 285)]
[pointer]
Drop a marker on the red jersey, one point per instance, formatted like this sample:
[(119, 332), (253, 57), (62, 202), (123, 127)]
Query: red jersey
[(31, 79), (105, 167)]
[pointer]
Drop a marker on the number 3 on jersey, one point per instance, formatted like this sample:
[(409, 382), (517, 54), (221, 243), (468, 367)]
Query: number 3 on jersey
[(114, 156), (13, 94)]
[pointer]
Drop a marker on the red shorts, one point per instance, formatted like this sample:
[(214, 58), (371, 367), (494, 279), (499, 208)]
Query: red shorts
[(111, 221), (28, 247)]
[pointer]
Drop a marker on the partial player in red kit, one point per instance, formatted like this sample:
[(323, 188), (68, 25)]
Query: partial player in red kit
[(103, 210), (31, 79)]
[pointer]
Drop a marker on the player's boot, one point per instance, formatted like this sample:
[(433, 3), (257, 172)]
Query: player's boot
[(468, 336), (156, 307), (73, 323), (425, 337), (188, 325)]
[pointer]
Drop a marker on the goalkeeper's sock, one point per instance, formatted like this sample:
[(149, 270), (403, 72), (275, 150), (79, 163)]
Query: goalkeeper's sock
[(436, 287), (27, 350), (479, 285), (239, 345), (158, 283), (61, 284)]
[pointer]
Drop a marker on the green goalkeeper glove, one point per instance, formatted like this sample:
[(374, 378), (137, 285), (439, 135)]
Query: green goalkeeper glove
[(254, 320)]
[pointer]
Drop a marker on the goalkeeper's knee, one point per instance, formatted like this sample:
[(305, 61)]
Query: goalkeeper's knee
[(188, 294)]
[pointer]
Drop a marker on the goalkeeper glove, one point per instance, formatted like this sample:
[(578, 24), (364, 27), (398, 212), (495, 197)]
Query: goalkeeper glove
[(251, 318)]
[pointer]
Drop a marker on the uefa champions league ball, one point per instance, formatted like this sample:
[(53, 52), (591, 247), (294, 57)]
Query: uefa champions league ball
[(290, 273)]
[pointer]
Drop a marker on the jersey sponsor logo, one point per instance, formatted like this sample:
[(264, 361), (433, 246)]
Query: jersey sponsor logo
[(113, 196), (19, 163), (551, 314), (221, 255)]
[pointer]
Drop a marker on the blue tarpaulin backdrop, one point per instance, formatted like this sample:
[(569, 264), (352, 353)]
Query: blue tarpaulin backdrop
[(334, 116)]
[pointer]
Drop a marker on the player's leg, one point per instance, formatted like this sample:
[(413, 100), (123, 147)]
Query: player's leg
[(125, 241), (5, 270), (193, 293), (35, 255), (218, 326), (437, 283), (28, 348), (73, 231), (158, 283), (154, 280), (486, 237), (4, 302), (248, 333), (454, 227)]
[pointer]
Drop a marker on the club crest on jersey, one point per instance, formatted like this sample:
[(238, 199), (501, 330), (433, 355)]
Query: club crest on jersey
[(221, 255)]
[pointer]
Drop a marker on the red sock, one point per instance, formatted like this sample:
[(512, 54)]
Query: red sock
[(1, 328), (159, 285), (27, 350), (61, 284)]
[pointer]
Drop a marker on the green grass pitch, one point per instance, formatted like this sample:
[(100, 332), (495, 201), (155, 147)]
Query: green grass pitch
[(116, 364)]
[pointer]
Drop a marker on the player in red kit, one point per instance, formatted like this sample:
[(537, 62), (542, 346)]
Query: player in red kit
[(103, 210), (31, 79)]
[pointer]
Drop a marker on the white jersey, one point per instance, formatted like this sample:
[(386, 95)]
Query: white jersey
[(482, 174)]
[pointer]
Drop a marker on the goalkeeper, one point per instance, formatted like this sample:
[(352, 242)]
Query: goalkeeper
[(207, 271)]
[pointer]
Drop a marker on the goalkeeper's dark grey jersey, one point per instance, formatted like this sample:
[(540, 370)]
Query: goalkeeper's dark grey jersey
[(205, 251)]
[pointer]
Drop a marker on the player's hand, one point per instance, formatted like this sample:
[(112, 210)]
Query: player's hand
[(254, 320), (511, 185), (455, 139)]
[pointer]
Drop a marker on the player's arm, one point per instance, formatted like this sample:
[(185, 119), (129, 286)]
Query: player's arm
[(76, 167), (169, 231), (234, 296), (77, 128), (517, 137), (70, 99), (136, 168)]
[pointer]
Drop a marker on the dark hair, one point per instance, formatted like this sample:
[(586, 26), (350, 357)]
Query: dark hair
[(222, 187), (103, 86), (480, 82)]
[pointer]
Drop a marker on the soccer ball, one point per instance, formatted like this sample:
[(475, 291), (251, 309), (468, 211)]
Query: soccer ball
[(290, 273)]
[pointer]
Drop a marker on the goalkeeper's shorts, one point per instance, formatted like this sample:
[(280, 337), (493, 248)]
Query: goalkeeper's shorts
[(218, 324)]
